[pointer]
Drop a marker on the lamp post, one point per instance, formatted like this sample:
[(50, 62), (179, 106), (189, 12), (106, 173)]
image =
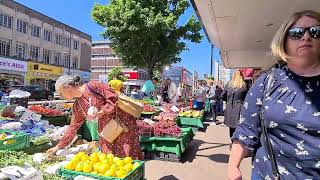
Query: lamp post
[(69, 68), (211, 60)]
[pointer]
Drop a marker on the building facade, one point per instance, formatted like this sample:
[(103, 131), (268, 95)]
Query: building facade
[(103, 60), (46, 44)]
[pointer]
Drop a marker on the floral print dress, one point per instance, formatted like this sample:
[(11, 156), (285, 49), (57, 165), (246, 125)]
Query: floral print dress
[(292, 117), (127, 144)]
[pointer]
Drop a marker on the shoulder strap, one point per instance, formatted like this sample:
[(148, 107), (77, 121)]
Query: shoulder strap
[(94, 91), (269, 148)]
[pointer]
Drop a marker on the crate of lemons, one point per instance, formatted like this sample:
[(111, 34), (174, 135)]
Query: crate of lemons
[(103, 165)]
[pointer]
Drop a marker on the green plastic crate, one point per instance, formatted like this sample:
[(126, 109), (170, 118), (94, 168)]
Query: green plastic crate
[(137, 174), (21, 140)]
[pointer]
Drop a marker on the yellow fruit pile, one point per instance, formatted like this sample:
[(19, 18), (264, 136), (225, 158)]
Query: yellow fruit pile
[(102, 164)]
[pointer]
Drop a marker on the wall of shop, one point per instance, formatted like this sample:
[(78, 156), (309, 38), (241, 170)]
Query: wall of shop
[(13, 70)]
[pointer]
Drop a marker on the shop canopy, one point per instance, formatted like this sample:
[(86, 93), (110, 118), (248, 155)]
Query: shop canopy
[(243, 29)]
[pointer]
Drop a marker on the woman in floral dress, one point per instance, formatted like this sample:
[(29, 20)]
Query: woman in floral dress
[(103, 98)]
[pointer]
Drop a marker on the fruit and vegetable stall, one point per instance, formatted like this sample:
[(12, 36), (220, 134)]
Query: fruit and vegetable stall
[(165, 133)]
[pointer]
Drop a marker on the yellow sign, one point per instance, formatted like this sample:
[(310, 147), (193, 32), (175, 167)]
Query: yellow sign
[(38, 70)]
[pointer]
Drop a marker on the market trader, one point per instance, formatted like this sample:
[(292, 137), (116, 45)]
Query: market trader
[(149, 87)]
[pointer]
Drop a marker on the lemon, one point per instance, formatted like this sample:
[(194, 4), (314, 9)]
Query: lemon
[(79, 167), (3, 136), (85, 158), (127, 160), (87, 168), (120, 173), (128, 168), (110, 156), (110, 173), (94, 172), (104, 168), (94, 157), (102, 156), (80, 154), (97, 166), (120, 163), (135, 165), (70, 166), (115, 159), (114, 167)]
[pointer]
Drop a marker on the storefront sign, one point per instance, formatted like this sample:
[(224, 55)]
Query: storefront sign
[(131, 75), (44, 68), (13, 65)]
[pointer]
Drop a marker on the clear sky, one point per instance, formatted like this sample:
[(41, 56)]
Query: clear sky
[(76, 13)]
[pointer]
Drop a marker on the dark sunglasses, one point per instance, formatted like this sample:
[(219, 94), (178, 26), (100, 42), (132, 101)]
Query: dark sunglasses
[(298, 32)]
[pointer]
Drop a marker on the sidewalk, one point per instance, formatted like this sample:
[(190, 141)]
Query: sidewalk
[(205, 159)]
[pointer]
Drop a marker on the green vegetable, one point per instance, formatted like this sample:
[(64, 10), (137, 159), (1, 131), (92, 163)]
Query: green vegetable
[(40, 140)]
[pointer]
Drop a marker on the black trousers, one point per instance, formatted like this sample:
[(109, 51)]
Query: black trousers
[(231, 131), (213, 110)]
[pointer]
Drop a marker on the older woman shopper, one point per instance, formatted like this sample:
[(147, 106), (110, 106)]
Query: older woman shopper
[(104, 99), (291, 108)]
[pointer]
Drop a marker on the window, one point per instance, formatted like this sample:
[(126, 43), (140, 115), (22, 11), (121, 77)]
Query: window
[(47, 35), (67, 42), (75, 63), (57, 58), (22, 26), (35, 31), (75, 45), (34, 53), (6, 21), (59, 39), (46, 56), (66, 61), (21, 49), (5, 47)]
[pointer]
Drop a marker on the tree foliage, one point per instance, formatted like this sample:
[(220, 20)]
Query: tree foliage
[(116, 73), (145, 33)]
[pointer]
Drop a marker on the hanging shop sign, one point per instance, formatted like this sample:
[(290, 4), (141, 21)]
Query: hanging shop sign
[(13, 65), (37, 70)]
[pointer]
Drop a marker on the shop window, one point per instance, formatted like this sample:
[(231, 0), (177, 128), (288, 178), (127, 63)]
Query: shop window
[(21, 49), (75, 63), (57, 58), (6, 21), (75, 45), (34, 53), (46, 56), (35, 31), (5, 46), (47, 35), (66, 60), (22, 26)]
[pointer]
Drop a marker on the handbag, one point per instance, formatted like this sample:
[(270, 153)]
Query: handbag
[(265, 134)]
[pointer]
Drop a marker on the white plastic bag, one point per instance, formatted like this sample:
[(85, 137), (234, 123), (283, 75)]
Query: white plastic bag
[(19, 94)]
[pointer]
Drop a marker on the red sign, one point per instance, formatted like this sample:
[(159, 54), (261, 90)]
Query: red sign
[(247, 72), (131, 75)]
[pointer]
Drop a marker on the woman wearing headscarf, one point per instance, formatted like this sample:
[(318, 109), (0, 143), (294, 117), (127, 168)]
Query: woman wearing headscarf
[(104, 99)]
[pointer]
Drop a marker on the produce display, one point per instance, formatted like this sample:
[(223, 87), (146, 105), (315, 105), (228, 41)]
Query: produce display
[(191, 114), (166, 128), (46, 111), (102, 164), (144, 128), (14, 158), (5, 136), (148, 108), (40, 140)]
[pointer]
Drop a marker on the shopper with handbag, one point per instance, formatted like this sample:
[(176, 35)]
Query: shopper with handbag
[(116, 115), (280, 121)]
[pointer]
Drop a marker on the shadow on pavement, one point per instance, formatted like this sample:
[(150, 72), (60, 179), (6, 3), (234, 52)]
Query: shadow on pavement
[(221, 158), (191, 152), (170, 177)]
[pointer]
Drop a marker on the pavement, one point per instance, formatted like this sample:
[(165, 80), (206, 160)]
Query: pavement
[(206, 158)]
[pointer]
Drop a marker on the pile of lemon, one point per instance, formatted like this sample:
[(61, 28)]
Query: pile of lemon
[(102, 164)]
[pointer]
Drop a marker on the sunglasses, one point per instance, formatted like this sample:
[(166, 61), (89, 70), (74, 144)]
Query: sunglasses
[(298, 32)]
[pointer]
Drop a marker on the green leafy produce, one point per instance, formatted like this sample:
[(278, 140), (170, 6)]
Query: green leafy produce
[(14, 158), (40, 140)]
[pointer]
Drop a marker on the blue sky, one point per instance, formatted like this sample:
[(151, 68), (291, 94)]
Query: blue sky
[(76, 13)]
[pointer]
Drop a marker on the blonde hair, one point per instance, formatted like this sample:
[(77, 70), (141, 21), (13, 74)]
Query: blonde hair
[(278, 42), (237, 81)]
